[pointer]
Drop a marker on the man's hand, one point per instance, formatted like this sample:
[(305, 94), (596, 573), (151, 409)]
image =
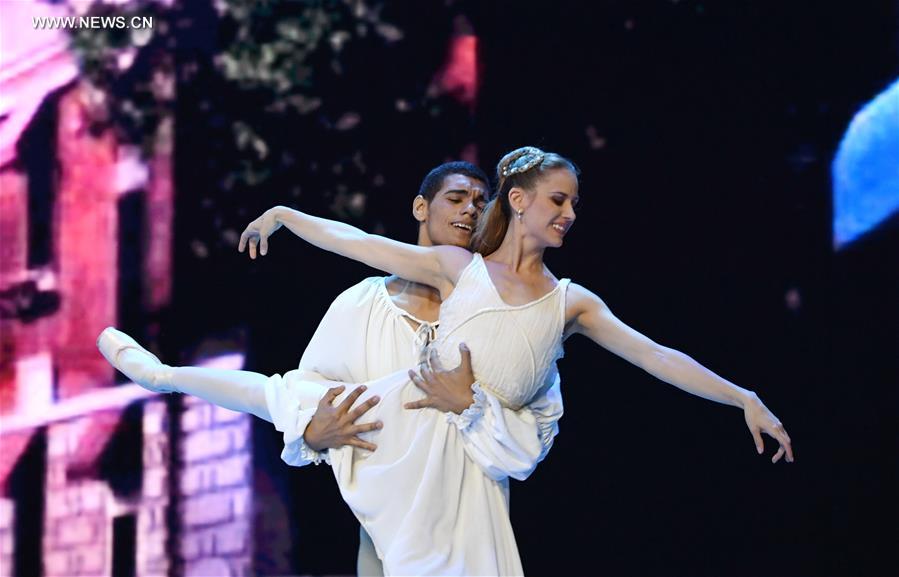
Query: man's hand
[(332, 427), (258, 231), (447, 390)]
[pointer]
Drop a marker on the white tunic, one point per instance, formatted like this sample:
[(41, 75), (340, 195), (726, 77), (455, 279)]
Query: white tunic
[(364, 337)]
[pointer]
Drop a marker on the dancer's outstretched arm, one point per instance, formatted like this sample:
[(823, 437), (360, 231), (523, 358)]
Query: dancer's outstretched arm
[(436, 266), (589, 316)]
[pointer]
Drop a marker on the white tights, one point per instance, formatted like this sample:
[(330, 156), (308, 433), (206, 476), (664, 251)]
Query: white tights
[(236, 390)]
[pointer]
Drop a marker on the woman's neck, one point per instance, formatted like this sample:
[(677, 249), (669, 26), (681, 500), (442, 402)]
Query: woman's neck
[(518, 253)]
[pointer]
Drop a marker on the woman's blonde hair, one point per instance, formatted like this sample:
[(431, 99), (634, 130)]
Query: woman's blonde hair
[(521, 168)]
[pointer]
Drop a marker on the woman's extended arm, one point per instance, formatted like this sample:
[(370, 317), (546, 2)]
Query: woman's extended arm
[(437, 266), (592, 318)]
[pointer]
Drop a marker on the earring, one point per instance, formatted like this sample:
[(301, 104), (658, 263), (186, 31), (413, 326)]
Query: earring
[(520, 212)]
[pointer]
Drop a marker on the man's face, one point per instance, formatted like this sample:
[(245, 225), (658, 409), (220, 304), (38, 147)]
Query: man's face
[(451, 216)]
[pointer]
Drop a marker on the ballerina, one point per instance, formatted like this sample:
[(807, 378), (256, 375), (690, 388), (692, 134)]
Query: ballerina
[(428, 506)]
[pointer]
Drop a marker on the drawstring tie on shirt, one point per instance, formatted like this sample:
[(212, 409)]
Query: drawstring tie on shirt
[(424, 336)]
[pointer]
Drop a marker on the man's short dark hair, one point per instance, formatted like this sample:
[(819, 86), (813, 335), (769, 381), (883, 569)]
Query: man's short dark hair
[(434, 180)]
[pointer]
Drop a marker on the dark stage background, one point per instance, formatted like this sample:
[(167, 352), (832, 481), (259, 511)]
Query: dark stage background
[(705, 132)]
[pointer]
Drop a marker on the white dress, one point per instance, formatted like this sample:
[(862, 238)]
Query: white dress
[(365, 336), (425, 497)]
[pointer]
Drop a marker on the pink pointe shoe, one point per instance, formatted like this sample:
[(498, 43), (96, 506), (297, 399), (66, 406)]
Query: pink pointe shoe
[(136, 362)]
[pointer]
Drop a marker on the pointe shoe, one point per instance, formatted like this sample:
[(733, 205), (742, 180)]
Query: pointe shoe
[(150, 374)]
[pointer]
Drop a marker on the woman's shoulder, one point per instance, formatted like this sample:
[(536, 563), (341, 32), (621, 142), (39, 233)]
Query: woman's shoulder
[(580, 292), (454, 260), (455, 253), (579, 299)]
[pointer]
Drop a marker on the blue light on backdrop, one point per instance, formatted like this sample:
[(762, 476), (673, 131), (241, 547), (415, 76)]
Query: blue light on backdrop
[(866, 169)]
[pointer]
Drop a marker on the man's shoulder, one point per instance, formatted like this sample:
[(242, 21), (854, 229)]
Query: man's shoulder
[(365, 290)]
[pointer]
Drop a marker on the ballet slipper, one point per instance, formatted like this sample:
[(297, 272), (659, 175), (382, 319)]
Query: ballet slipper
[(136, 362)]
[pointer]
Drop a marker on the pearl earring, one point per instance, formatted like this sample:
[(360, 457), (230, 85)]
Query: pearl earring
[(520, 212)]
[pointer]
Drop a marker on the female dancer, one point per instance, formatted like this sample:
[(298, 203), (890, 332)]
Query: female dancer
[(427, 507)]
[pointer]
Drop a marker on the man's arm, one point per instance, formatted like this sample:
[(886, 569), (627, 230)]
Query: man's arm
[(509, 443), (331, 362), (502, 441)]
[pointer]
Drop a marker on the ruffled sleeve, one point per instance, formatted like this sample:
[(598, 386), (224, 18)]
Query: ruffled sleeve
[(333, 356), (507, 443), (292, 401), (474, 412)]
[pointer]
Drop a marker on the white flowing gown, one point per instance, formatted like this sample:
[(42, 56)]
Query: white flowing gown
[(434, 496)]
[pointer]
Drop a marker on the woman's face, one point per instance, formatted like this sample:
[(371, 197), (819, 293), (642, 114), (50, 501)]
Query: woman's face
[(549, 207)]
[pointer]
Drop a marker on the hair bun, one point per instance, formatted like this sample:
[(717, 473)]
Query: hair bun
[(521, 160)]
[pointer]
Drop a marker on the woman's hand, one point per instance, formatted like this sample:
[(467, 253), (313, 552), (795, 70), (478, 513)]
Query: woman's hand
[(447, 390), (759, 419), (258, 231)]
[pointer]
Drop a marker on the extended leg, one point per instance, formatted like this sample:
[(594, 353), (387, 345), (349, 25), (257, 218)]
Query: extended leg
[(242, 391)]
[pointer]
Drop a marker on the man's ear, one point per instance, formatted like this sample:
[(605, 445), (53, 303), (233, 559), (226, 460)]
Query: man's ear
[(420, 208)]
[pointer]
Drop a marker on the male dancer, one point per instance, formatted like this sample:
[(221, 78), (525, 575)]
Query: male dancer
[(375, 328), (383, 324)]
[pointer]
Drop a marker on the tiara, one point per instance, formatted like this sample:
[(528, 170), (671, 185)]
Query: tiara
[(536, 157)]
